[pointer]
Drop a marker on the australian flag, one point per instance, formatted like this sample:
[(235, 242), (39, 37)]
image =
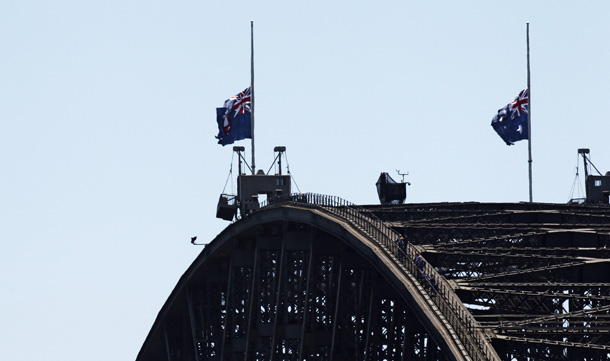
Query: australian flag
[(511, 121), (235, 119)]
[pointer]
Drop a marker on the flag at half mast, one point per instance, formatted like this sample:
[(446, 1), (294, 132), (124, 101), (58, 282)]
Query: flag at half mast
[(511, 122), (235, 118)]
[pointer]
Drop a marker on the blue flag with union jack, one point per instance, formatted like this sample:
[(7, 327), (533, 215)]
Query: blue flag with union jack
[(235, 118), (511, 122)]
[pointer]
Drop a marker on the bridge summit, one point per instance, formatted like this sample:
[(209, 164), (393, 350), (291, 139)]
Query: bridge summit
[(313, 277)]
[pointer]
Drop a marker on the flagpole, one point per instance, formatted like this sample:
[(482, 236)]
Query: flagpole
[(529, 113), (252, 90)]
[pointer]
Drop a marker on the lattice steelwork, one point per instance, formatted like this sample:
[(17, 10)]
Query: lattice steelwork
[(535, 276), (311, 277), (287, 291)]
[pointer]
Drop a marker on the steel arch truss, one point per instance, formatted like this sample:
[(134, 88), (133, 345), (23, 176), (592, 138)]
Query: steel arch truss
[(535, 276), (287, 291)]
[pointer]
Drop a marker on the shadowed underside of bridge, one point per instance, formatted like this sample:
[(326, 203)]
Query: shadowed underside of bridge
[(315, 278)]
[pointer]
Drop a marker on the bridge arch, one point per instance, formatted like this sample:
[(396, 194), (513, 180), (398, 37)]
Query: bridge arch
[(305, 282)]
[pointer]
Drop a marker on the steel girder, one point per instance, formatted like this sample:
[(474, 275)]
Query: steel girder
[(535, 276), (289, 290)]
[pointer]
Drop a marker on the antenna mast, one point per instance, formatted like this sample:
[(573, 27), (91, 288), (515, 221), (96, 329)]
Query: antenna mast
[(252, 89), (529, 115)]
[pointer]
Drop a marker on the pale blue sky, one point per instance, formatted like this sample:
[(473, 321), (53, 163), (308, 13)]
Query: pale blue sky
[(107, 124)]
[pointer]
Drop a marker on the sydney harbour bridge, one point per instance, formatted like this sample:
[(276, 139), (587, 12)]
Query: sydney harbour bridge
[(313, 277)]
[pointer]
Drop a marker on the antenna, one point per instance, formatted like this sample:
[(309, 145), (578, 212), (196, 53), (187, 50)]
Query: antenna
[(239, 150), (403, 176), (584, 152), (597, 188), (278, 158)]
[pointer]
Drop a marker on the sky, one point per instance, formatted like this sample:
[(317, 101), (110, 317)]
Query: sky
[(109, 162)]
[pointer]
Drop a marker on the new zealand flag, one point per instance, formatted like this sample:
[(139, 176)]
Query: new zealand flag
[(235, 119), (511, 122)]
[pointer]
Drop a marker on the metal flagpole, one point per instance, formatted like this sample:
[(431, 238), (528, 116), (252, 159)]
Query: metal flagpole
[(529, 112), (252, 91)]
